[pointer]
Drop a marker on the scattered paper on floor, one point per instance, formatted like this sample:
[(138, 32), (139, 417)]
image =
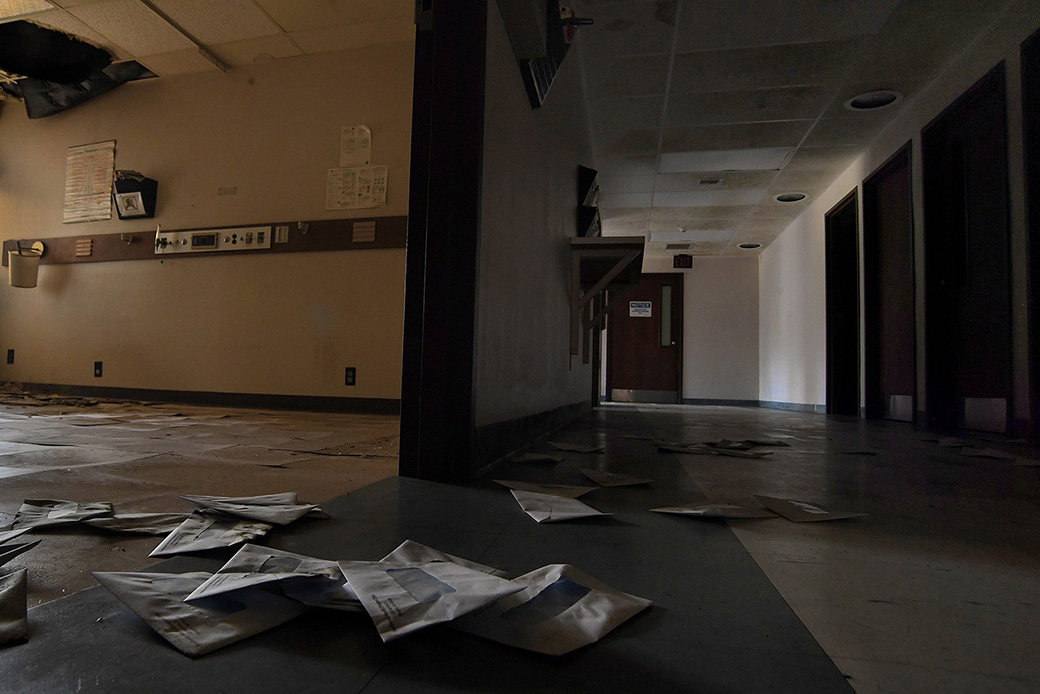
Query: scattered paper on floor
[(547, 508), (614, 479), (8, 535), (559, 609), (717, 510), (410, 551), (14, 625), (204, 626), (569, 491), (278, 509), (139, 523), (803, 512), (209, 531), (404, 597), (312, 581), (44, 513), (9, 552)]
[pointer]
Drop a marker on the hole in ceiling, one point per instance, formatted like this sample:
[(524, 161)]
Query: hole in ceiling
[(870, 101), (790, 197), (749, 246)]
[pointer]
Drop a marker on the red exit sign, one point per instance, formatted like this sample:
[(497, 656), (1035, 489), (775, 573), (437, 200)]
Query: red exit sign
[(682, 260)]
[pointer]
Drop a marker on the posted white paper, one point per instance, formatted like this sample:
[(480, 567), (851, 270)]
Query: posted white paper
[(546, 508), (43, 513), (568, 491), (13, 607), (403, 598), (198, 628), (355, 146), (356, 187), (209, 531), (559, 609), (279, 509), (88, 182)]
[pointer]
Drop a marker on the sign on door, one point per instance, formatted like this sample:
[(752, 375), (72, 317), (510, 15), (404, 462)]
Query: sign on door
[(640, 309)]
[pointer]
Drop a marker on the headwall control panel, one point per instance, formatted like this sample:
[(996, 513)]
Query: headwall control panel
[(209, 240)]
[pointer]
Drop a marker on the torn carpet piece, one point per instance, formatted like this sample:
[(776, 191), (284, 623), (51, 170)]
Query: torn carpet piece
[(209, 531), (45, 513), (402, 598), (14, 625), (559, 610), (314, 582), (546, 508), (204, 626), (279, 509)]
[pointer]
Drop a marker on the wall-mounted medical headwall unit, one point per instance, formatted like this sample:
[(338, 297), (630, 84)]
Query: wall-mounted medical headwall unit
[(278, 237)]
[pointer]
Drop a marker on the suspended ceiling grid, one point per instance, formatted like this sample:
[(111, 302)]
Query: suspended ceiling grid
[(682, 93)]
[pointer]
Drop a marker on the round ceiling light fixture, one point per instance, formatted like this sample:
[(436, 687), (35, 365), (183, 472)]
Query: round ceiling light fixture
[(790, 197), (749, 246), (871, 101)]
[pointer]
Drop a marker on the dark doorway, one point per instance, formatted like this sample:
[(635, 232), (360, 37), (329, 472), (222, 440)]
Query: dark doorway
[(967, 262), (644, 342), (1031, 122), (842, 248), (890, 373)]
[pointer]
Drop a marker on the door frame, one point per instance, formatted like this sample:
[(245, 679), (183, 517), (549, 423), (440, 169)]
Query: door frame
[(849, 268), (678, 316)]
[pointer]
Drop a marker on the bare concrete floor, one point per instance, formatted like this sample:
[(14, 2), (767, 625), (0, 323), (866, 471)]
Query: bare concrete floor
[(142, 457)]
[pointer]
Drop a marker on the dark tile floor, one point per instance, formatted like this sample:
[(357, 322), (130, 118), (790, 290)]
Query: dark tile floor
[(935, 590)]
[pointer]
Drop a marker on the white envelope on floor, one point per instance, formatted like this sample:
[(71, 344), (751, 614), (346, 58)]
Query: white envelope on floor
[(314, 582), (410, 551), (546, 508), (14, 625), (559, 609), (405, 597), (204, 626), (279, 509), (42, 513), (209, 531), (139, 523)]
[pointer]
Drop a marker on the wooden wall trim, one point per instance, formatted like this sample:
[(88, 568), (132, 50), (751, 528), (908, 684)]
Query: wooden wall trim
[(320, 235)]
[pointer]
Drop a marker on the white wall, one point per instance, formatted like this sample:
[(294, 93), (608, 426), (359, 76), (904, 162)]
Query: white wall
[(792, 269), (720, 326), (529, 205), (275, 324)]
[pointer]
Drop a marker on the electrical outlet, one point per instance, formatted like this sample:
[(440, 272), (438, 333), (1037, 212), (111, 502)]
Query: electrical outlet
[(10, 356), (97, 369), (351, 376)]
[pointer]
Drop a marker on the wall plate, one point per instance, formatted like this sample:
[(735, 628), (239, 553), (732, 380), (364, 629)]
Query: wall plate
[(210, 240)]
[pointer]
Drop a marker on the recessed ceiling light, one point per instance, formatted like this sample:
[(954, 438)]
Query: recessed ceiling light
[(790, 197), (870, 101), (749, 246)]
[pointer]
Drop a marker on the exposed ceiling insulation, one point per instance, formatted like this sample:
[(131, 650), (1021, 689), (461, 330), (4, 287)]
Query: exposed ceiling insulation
[(750, 93)]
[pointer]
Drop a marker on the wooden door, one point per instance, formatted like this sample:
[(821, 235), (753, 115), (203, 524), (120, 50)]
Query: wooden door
[(842, 278), (888, 288), (644, 342)]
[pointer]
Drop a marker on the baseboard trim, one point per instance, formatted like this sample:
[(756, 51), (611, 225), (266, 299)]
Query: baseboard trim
[(708, 402), (311, 403), (793, 406), (494, 443)]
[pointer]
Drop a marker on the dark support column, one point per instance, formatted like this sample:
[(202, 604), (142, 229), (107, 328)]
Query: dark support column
[(437, 417)]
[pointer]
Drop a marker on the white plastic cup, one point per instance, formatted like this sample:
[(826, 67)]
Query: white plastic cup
[(23, 266)]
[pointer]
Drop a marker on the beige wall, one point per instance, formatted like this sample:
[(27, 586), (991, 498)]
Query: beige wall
[(792, 287), (276, 324), (528, 214), (720, 326)]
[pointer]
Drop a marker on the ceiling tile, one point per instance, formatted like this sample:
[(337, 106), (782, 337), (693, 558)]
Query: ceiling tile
[(828, 159), (709, 198), (722, 214), (659, 223), (610, 184), (735, 136), (10, 9), (790, 103), (177, 63), (616, 228), (627, 76), (759, 159), (849, 130), (628, 164), (294, 16), (63, 21), (625, 214), (763, 68), (628, 112), (349, 37), (627, 142), (218, 22), (705, 26), (803, 181), (666, 236), (631, 28), (133, 26), (729, 180), (257, 50), (625, 200)]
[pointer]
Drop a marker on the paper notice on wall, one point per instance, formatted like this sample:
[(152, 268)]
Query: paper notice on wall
[(88, 182), (355, 146), (356, 187)]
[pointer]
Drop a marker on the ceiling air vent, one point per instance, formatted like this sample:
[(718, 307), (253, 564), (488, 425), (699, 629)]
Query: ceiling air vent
[(678, 247), (710, 181)]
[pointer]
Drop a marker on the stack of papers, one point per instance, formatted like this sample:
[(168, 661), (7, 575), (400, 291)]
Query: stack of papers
[(278, 509)]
